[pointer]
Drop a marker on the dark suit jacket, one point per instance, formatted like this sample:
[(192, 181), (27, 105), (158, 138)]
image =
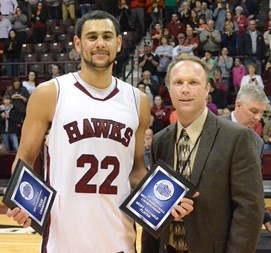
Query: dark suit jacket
[(228, 214), (258, 140)]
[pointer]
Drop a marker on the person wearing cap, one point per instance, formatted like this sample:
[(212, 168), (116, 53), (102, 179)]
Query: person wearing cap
[(10, 117)]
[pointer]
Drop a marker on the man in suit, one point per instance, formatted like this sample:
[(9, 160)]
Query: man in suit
[(225, 168), (250, 104)]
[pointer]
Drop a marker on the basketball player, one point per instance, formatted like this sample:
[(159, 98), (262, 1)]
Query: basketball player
[(93, 125)]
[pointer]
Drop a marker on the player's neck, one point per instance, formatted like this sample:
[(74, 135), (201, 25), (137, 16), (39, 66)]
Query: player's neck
[(98, 79)]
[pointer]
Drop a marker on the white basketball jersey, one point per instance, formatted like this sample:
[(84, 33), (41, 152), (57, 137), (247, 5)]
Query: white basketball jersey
[(91, 147)]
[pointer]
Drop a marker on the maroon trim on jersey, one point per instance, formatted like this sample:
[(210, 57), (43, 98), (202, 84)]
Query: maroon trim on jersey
[(46, 233), (83, 89)]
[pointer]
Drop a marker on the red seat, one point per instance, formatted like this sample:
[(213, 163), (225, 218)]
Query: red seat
[(47, 57), (62, 57), (266, 165), (49, 38), (41, 48), (27, 48), (56, 47), (31, 57)]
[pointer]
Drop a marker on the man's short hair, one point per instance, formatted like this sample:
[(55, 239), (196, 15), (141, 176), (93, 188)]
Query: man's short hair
[(186, 57), (96, 15), (249, 93)]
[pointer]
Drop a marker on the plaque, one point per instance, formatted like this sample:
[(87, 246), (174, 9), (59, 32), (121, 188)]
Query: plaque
[(159, 191), (27, 190)]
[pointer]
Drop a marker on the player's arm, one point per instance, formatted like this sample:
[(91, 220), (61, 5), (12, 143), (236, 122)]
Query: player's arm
[(139, 170), (39, 114)]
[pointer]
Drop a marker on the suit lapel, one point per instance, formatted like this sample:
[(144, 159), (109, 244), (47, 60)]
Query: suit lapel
[(208, 136)]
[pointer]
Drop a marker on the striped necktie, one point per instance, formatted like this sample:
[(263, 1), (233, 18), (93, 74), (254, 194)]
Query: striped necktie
[(179, 241)]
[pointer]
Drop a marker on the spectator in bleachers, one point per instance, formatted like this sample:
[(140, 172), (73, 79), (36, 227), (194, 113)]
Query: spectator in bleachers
[(124, 17), (242, 23), (179, 49), (229, 38), (253, 46), (164, 93), (205, 11), (193, 40), (19, 22), (225, 63), (266, 23), (31, 7), (138, 8), (251, 78), (210, 62), (241, 20), (238, 71), (267, 136), (171, 7), (154, 10), (53, 9), (150, 82), (164, 51), (32, 81), (85, 6), (12, 52), (210, 39), (267, 39), (210, 105), (196, 6), (160, 114), (184, 12), (55, 71), (250, 8), (145, 89), (156, 34), (5, 27), (219, 97), (149, 61), (219, 14), (175, 27), (68, 9), (7, 7), (19, 96), (167, 35), (74, 55), (193, 21), (266, 76), (202, 24), (230, 20), (10, 117), (39, 23), (220, 83), (147, 147)]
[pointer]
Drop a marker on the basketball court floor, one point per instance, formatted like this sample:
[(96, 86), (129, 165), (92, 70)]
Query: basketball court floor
[(15, 239)]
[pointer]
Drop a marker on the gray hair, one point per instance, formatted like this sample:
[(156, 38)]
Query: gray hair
[(239, 8), (249, 93)]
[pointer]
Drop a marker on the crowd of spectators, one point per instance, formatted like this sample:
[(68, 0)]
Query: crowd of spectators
[(226, 36)]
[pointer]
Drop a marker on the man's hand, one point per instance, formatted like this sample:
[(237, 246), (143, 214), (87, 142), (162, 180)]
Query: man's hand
[(183, 208), (20, 216)]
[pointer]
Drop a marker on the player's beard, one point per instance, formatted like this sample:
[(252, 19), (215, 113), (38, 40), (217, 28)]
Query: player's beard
[(91, 64)]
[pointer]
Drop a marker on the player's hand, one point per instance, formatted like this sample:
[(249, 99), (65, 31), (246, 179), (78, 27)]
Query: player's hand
[(185, 207), (20, 216)]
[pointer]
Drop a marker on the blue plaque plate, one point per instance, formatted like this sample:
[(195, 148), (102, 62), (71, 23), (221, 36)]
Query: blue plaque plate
[(29, 191), (151, 202)]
